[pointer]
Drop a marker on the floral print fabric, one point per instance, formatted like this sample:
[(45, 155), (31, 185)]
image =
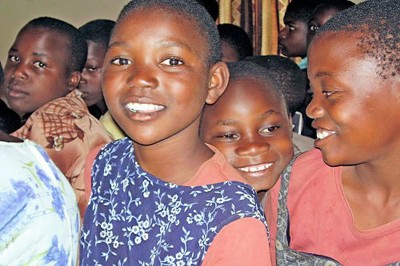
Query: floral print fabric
[(134, 218), (39, 222)]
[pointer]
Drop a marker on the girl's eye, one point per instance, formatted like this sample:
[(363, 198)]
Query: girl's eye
[(91, 69), (313, 28), (268, 130), (328, 93), (39, 64), (291, 28), (13, 58), (228, 136), (172, 62), (121, 61)]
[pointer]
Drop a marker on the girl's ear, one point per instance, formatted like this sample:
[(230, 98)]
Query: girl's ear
[(219, 77), (73, 81)]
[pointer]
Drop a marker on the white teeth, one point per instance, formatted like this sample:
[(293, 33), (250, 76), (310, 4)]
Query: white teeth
[(143, 107), (321, 134), (255, 168)]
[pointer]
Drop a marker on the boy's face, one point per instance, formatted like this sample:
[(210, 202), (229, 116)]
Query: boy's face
[(252, 129), (36, 69), (319, 18), (90, 84), (156, 76), (355, 111), (292, 38)]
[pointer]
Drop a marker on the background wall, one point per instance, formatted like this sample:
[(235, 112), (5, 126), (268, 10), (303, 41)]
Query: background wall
[(14, 14)]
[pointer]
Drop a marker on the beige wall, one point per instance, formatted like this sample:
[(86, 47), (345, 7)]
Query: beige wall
[(16, 13)]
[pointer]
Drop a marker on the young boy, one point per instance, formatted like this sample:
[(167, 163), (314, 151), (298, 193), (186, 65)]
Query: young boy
[(162, 196), (97, 35), (342, 201), (292, 38), (251, 126), (292, 41), (292, 82), (323, 12), (236, 43), (44, 65)]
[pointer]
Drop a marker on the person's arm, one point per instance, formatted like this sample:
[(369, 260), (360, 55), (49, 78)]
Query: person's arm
[(87, 174), (242, 242), (8, 138)]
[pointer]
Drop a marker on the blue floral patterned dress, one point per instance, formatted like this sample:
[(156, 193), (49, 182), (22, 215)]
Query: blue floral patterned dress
[(39, 222), (134, 218)]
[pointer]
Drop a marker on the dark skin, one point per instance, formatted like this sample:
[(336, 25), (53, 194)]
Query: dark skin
[(151, 78), (90, 83), (37, 71), (347, 109), (251, 127), (8, 138), (293, 37)]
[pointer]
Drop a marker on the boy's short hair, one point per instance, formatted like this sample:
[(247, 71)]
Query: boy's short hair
[(301, 9), (291, 80), (211, 6), (237, 38), (77, 44), (189, 9), (247, 69), (98, 31), (378, 25), (339, 5)]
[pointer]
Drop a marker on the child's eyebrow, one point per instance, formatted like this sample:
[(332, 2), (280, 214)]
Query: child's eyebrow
[(268, 113), (226, 122), (40, 54), (174, 44), (229, 122), (117, 43), (323, 74)]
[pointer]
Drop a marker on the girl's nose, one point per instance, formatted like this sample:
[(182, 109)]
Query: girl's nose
[(253, 146)]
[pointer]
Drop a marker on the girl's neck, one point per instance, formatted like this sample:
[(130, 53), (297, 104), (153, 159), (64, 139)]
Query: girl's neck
[(171, 162)]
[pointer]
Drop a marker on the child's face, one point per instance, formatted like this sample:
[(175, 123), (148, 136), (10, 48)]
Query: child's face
[(319, 18), (36, 70), (293, 37), (355, 111), (90, 84), (252, 129), (156, 77)]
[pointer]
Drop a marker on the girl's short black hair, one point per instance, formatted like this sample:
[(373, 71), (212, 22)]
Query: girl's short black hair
[(237, 38), (98, 31), (76, 43), (377, 21), (189, 9)]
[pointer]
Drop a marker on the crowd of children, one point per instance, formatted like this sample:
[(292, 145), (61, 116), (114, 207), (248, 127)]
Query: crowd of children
[(160, 139)]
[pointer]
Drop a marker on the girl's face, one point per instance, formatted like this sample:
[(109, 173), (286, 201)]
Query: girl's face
[(36, 70), (251, 127), (355, 111), (156, 77), (90, 83), (319, 18)]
